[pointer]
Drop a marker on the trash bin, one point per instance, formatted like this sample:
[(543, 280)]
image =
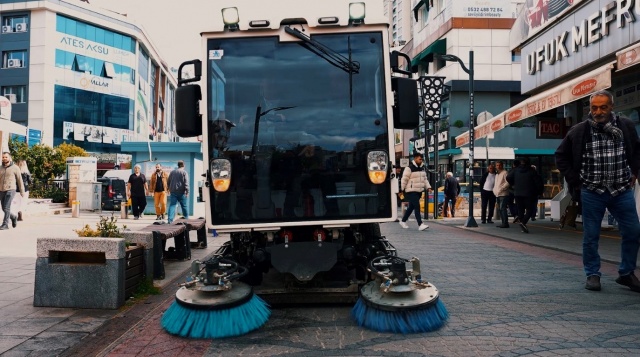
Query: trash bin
[(75, 209)]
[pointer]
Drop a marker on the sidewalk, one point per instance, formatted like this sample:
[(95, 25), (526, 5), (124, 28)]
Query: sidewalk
[(545, 233), (40, 331), (29, 330)]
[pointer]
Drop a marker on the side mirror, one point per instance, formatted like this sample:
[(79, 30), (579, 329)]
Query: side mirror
[(187, 102), (406, 112), (188, 117), (394, 62)]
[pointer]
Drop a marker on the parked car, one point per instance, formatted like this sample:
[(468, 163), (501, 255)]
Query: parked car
[(114, 191)]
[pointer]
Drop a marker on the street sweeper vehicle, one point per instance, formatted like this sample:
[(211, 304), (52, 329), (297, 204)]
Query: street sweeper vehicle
[(296, 106)]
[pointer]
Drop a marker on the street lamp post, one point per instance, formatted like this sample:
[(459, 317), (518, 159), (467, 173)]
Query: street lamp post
[(471, 222)]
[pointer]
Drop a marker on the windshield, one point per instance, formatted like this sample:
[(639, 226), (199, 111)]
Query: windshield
[(314, 127)]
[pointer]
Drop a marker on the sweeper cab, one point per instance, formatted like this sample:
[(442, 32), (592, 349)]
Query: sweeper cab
[(296, 106)]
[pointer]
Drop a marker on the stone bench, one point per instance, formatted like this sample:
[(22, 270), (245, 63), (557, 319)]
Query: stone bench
[(198, 225), (161, 232)]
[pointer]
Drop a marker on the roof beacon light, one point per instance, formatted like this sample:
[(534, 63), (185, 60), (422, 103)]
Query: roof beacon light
[(377, 166), (356, 12), (230, 17), (221, 174)]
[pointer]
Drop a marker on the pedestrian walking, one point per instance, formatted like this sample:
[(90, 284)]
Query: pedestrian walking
[(10, 182), (26, 182), (137, 190), (501, 191), (160, 188), (487, 197), (540, 190), (600, 159), (178, 182), (451, 192), (511, 200), (414, 183), (526, 183)]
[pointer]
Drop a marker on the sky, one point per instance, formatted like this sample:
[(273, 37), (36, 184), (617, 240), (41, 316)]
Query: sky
[(174, 27)]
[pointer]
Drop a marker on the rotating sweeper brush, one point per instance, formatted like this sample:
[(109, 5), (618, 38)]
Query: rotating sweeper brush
[(398, 300), (213, 305)]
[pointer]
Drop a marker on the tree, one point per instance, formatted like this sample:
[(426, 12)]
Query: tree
[(18, 150), (45, 162), (70, 150)]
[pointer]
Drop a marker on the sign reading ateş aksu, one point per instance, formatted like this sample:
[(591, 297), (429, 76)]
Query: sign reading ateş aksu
[(588, 31)]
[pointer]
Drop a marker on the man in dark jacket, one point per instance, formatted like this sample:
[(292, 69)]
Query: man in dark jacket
[(600, 159), (451, 192), (525, 183), (178, 182)]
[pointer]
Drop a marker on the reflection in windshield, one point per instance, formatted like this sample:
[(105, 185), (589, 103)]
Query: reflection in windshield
[(282, 115)]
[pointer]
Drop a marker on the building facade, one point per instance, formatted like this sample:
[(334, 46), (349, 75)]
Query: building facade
[(400, 21), (571, 49), (83, 75), (457, 28)]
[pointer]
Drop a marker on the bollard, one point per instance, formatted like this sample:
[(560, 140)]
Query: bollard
[(75, 209), (124, 210), (541, 212)]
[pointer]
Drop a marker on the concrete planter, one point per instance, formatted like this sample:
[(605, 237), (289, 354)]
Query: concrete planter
[(90, 272)]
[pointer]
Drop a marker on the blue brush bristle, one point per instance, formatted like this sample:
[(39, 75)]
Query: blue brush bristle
[(195, 323), (404, 321)]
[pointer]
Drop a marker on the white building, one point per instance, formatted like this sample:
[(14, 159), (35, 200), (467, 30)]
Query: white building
[(456, 28), (83, 75)]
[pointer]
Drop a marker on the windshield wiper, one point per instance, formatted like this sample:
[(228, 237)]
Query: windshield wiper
[(329, 55), (326, 53)]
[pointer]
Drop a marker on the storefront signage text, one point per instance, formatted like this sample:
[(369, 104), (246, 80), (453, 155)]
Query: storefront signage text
[(96, 48), (549, 129), (587, 32)]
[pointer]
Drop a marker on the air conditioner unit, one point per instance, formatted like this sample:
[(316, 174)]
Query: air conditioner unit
[(14, 63), (12, 97), (7, 29), (21, 27)]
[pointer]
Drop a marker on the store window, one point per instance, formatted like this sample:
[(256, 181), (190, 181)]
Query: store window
[(15, 24), (14, 59), (15, 94)]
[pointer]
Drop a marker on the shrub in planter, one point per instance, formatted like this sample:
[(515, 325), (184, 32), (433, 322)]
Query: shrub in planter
[(106, 227)]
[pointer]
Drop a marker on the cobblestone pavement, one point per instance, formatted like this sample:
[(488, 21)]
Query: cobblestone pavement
[(504, 298)]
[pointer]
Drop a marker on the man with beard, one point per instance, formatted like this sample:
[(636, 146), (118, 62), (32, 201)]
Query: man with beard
[(600, 159), (10, 180)]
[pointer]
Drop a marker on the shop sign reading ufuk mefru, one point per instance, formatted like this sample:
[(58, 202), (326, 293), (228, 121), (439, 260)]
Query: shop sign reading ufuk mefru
[(598, 25)]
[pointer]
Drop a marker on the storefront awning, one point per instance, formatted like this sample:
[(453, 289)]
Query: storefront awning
[(565, 93), (628, 57), (496, 153), (439, 46), (519, 152)]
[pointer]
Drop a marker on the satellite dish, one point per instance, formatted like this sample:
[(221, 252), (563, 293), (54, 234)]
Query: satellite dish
[(483, 117)]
